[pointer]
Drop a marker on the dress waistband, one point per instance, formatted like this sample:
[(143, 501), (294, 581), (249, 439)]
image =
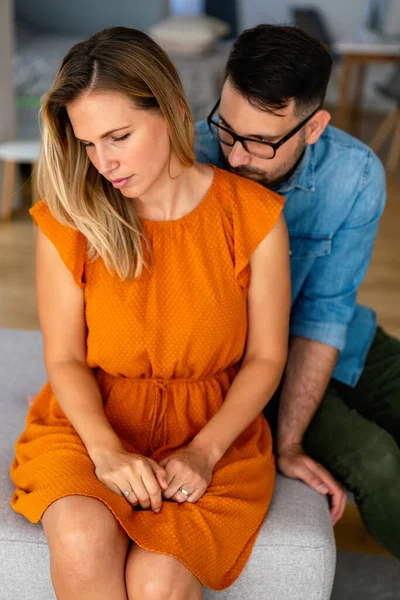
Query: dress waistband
[(159, 382)]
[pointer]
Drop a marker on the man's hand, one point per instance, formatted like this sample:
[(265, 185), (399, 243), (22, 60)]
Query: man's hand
[(294, 463)]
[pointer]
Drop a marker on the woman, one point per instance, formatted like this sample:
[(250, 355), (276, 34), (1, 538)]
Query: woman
[(146, 456)]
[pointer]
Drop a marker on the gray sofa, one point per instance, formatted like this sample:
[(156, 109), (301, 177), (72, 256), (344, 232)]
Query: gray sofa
[(293, 558)]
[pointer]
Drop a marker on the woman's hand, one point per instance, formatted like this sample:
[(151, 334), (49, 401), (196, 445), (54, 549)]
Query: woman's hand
[(189, 470), (139, 479)]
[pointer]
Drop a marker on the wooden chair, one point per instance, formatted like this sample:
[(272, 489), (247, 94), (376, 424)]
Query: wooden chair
[(312, 21), (11, 154), (391, 125)]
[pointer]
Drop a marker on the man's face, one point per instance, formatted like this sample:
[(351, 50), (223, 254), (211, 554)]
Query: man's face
[(244, 119)]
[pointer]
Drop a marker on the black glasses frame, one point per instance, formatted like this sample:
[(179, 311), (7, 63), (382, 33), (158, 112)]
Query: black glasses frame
[(240, 138)]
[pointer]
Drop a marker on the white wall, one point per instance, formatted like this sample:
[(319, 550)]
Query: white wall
[(7, 111), (341, 15), (342, 18), (84, 17), (7, 114)]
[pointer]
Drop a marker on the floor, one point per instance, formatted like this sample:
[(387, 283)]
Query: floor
[(380, 290)]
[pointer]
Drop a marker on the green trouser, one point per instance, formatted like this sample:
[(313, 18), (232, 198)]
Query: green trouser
[(355, 434)]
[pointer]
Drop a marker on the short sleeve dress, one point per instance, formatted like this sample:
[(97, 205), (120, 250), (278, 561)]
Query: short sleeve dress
[(165, 349)]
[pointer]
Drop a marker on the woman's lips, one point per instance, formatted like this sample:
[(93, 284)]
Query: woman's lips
[(120, 183)]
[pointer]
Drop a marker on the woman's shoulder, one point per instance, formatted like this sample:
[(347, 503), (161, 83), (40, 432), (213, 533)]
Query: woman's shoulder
[(47, 219), (237, 193), (249, 212), (69, 242)]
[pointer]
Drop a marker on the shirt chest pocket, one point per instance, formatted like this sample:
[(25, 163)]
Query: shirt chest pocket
[(306, 246)]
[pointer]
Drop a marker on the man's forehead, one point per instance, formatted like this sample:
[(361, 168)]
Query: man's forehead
[(246, 118)]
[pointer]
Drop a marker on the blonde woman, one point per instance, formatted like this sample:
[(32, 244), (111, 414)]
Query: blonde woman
[(163, 294)]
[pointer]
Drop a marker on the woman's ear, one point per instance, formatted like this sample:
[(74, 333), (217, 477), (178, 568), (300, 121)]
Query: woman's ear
[(317, 126)]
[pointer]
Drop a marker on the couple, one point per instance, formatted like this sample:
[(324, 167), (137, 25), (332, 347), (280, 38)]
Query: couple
[(164, 300)]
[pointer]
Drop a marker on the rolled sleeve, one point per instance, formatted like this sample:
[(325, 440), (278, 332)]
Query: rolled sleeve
[(326, 304), (332, 334)]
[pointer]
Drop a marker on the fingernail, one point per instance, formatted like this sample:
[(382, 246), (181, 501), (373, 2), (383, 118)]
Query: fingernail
[(323, 489), (157, 510)]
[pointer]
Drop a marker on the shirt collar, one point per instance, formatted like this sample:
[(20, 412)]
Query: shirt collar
[(304, 176)]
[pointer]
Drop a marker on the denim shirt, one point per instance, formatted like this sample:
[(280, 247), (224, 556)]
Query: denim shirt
[(334, 200)]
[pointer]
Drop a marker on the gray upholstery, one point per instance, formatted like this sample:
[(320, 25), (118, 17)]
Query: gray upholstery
[(293, 558)]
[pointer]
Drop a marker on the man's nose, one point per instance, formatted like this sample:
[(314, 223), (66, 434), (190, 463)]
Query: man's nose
[(238, 155)]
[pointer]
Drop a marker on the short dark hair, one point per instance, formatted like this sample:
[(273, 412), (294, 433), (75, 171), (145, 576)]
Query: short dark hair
[(272, 64)]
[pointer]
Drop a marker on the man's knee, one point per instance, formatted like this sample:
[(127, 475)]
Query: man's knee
[(373, 468), (378, 464)]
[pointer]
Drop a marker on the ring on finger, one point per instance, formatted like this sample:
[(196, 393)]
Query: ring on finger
[(184, 491), (126, 493)]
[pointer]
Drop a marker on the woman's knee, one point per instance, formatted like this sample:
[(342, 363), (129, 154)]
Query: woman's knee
[(154, 588), (164, 589), (153, 576), (83, 534)]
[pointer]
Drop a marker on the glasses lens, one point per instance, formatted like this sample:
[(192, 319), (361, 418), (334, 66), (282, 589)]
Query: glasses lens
[(222, 135), (258, 149), (252, 146)]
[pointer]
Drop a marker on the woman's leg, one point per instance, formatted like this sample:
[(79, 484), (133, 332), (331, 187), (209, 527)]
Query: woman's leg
[(88, 550), (154, 576)]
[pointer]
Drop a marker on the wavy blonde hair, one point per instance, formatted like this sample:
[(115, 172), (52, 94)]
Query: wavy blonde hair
[(125, 61)]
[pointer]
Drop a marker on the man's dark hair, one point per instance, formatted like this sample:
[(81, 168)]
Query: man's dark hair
[(271, 64)]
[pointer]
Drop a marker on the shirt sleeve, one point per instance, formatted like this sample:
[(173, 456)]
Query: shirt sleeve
[(255, 211), (70, 243), (327, 301)]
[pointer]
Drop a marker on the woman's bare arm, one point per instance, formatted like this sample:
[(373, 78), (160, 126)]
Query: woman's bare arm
[(62, 318), (61, 309), (266, 349)]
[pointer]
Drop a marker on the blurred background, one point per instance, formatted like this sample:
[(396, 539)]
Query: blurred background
[(363, 97)]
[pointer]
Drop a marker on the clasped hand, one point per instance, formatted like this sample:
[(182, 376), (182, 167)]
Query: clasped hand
[(183, 477)]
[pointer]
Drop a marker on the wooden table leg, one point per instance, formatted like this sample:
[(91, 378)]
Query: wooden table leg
[(8, 190), (394, 152), (34, 188), (354, 125), (342, 113), (384, 130)]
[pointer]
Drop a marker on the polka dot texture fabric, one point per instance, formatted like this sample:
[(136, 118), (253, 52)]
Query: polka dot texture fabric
[(165, 349)]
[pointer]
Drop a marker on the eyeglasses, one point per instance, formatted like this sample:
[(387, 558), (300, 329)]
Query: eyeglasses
[(254, 147)]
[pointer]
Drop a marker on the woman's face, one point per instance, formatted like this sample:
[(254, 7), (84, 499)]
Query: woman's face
[(129, 146)]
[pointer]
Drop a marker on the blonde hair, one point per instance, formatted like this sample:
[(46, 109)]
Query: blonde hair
[(125, 61)]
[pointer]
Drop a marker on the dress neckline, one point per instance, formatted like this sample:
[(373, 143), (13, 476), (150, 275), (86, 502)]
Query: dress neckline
[(190, 215)]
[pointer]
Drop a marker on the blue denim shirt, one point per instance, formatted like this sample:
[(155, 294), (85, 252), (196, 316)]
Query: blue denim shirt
[(334, 201)]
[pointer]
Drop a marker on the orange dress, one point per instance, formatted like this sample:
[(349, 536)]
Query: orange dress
[(165, 349)]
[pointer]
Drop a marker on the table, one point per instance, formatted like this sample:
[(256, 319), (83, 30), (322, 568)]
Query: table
[(355, 58)]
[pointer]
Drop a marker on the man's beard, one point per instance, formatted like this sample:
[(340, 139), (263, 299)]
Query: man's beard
[(270, 180)]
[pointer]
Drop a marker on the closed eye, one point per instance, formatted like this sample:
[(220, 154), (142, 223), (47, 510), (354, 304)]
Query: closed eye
[(114, 139), (120, 139)]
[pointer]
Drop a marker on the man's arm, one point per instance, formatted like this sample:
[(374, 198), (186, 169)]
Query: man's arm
[(319, 323), (309, 368)]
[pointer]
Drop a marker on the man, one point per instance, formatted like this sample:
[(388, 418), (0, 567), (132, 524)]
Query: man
[(339, 402)]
